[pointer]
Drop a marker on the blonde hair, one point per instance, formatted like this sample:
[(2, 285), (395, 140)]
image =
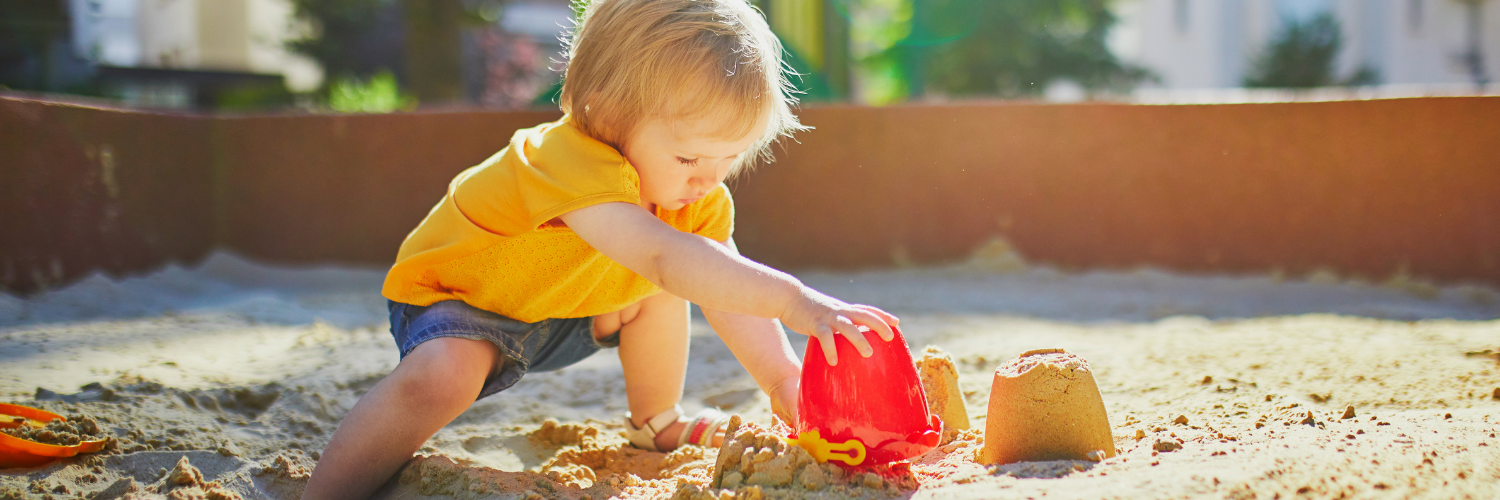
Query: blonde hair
[(633, 60)]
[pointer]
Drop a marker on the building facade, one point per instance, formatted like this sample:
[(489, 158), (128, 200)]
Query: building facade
[(160, 52), (1207, 44)]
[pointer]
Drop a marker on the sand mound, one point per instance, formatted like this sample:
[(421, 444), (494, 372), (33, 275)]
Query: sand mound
[(755, 462), (156, 475), (69, 431), (945, 397), (1045, 405), (185, 482), (588, 460)]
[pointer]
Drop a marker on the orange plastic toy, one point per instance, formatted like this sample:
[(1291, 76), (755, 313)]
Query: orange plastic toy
[(17, 452), (876, 402)]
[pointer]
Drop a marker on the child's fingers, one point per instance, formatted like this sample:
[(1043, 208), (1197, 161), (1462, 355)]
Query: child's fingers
[(875, 322), (825, 339), (848, 329), (890, 319)]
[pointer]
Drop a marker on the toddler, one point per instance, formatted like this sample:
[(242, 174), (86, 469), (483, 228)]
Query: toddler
[(596, 231)]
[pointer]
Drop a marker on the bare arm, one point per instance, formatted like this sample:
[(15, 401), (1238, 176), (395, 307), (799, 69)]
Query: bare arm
[(715, 277), (687, 265), (763, 349)]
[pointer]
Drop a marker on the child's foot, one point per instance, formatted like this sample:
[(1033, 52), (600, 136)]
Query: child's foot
[(669, 431), (668, 438)]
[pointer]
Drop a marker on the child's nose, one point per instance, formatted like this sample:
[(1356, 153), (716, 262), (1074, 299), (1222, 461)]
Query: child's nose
[(706, 178), (702, 181)]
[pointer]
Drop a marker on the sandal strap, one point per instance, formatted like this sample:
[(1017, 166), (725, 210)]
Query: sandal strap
[(644, 437), (702, 428)]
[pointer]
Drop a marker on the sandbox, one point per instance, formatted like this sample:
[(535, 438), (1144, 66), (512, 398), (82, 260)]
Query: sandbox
[(1215, 387)]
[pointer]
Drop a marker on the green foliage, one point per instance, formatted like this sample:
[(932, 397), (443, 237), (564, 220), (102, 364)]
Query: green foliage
[(550, 96), (354, 40), (1008, 48), (377, 95), (335, 31), (1302, 55), (27, 30), (482, 12), (247, 98), (809, 84), (1363, 75), (578, 7), (876, 29)]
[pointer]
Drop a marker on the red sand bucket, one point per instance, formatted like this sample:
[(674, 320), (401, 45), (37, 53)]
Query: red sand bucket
[(877, 401)]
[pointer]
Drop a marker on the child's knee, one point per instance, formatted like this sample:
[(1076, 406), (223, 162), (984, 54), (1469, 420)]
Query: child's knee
[(446, 371)]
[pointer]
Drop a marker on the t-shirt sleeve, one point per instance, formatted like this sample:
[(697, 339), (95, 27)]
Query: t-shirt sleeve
[(546, 172), (715, 218), (564, 170)]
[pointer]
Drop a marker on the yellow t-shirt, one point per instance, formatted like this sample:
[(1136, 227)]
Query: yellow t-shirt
[(493, 243)]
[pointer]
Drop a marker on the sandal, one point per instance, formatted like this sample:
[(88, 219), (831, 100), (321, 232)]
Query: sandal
[(700, 430)]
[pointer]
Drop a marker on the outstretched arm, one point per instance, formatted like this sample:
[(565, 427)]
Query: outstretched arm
[(763, 349), (714, 277)]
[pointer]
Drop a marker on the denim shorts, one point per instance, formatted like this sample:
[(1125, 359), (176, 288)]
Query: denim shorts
[(543, 346)]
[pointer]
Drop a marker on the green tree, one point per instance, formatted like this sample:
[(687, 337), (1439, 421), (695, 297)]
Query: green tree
[(1008, 48), (28, 31), (340, 34), (378, 95), (1302, 55), (1472, 56), (418, 40), (434, 59)]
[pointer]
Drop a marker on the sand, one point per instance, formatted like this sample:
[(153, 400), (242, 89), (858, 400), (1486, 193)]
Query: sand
[(225, 380), (67, 431)]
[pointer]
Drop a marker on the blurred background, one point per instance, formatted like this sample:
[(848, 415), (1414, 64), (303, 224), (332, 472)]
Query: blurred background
[(388, 55), (1293, 138)]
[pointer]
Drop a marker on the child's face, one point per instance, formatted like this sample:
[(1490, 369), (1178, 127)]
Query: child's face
[(677, 165)]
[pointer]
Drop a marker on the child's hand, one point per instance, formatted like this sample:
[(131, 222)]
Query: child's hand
[(818, 315), (784, 398)]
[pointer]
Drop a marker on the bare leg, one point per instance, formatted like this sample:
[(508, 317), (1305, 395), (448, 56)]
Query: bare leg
[(654, 353), (435, 383)]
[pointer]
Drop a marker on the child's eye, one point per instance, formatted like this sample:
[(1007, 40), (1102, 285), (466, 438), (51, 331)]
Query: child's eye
[(687, 161)]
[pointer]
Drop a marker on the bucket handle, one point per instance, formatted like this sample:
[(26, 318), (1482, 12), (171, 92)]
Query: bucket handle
[(853, 450)]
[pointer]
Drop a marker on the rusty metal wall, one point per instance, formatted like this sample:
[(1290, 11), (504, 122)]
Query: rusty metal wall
[(1361, 187), (86, 190), (347, 188), (1364, 188)]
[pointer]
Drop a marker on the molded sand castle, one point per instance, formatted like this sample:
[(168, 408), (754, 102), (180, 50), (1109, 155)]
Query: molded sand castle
[(1045, 405), (944, 396)]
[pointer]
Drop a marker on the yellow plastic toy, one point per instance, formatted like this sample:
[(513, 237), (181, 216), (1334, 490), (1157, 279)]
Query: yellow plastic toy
[(853, 449)]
